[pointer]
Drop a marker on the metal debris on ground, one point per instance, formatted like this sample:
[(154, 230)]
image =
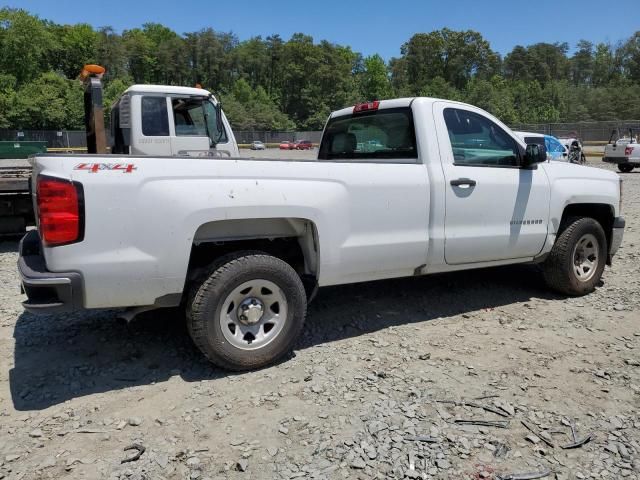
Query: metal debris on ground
[(421, 438), (485, 423), (476, 405), (537, 433), (579, 443), (524, 476), (135, 457)]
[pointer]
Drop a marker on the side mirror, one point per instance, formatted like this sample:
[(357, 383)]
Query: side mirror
[(534, 154)]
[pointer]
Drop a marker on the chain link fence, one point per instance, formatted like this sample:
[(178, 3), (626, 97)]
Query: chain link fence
[(595, 132), (244, 136), (78, 139)]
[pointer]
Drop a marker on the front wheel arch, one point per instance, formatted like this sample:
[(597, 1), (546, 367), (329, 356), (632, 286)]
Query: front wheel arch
[(602, 213)]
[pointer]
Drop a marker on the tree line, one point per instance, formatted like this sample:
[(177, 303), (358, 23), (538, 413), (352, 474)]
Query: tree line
[(276, 84)]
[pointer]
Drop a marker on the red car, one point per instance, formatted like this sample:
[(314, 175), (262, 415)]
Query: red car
[(287, 145), (303, 145)]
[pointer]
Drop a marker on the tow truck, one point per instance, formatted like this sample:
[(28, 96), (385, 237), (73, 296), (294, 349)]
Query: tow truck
[(146, 120)]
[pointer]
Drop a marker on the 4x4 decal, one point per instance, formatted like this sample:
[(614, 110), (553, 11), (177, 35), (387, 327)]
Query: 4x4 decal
[(96, 167)]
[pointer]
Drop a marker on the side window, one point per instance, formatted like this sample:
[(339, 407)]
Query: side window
[(155, 122), (196, 117), (476, 140)]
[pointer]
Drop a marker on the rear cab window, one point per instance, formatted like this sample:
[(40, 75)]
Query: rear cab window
[(384, 135)]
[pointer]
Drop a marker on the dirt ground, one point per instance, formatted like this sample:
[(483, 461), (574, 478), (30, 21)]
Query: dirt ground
[(373, 389)]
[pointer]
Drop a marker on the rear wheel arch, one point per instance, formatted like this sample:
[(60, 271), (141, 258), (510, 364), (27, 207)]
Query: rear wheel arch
[(293, 240)]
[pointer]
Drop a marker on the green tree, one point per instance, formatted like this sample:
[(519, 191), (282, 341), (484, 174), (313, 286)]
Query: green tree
[(582, 63), (44, 104), (77, 46), (25, 44), (630, 53), (374, 81), (455, 56)]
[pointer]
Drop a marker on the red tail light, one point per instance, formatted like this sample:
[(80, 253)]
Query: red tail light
[(628, 151), (60, 211), (366, 107)]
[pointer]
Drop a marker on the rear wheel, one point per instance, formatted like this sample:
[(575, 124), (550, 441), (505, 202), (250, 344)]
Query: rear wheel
[(247, 312), (577, 259), (625, 167)]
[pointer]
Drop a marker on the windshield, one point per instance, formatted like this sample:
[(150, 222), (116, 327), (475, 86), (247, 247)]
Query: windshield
[(197, 116)]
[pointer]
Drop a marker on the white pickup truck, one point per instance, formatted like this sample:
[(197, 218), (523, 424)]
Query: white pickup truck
[(243, 244), (623, 151)]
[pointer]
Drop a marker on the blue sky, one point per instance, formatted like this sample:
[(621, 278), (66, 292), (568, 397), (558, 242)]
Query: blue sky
[(372, 26)]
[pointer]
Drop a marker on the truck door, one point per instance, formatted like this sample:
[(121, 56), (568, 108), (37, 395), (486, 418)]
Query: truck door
[(195, 128), (190, 127), (495, 210)]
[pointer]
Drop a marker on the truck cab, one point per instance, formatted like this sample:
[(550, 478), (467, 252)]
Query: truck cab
[(162, 120)]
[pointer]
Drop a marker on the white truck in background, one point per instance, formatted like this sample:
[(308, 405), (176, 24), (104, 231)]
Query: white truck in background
[(243, 244), (163, 120), (624, 151)]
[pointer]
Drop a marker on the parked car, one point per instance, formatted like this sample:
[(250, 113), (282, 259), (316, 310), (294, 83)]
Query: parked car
[(555, 149), (303, 145), (286, 145), (257, 145), (574, 148), (623, 151), (243, 244)]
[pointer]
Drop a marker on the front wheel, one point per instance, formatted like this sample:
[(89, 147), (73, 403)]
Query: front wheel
[(577, 259), (625, 167), (247, 312)]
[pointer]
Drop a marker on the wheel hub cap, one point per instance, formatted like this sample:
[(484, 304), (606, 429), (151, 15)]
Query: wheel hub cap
[(250, 311), (585, 257), (253, 314)]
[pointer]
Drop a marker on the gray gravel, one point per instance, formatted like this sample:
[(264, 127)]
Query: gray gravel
[(383, 384)]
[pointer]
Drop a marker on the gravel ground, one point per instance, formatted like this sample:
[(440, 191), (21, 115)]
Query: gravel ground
[(374, 389)]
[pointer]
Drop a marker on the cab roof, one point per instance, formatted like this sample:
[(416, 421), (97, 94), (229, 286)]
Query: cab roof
[(398, 103), (168, 90)]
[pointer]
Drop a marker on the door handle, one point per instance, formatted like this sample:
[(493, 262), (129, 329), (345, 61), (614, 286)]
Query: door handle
[(458, 182)]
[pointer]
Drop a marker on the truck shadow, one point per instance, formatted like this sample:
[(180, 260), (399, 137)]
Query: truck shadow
[(58, 358)]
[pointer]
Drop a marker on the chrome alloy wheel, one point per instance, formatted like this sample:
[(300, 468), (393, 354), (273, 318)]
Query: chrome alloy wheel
[(253, 314)]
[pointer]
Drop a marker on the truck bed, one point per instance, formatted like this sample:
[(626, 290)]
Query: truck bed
[(14, 176), (16, 211)]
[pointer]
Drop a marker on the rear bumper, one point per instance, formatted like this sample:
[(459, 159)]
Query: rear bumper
[(47, 292), (616, 235), (618, 160)]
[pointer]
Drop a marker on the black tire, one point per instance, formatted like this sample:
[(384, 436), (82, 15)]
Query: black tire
[(625, 167), (583, 159), (559, 269), (208, 296)]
